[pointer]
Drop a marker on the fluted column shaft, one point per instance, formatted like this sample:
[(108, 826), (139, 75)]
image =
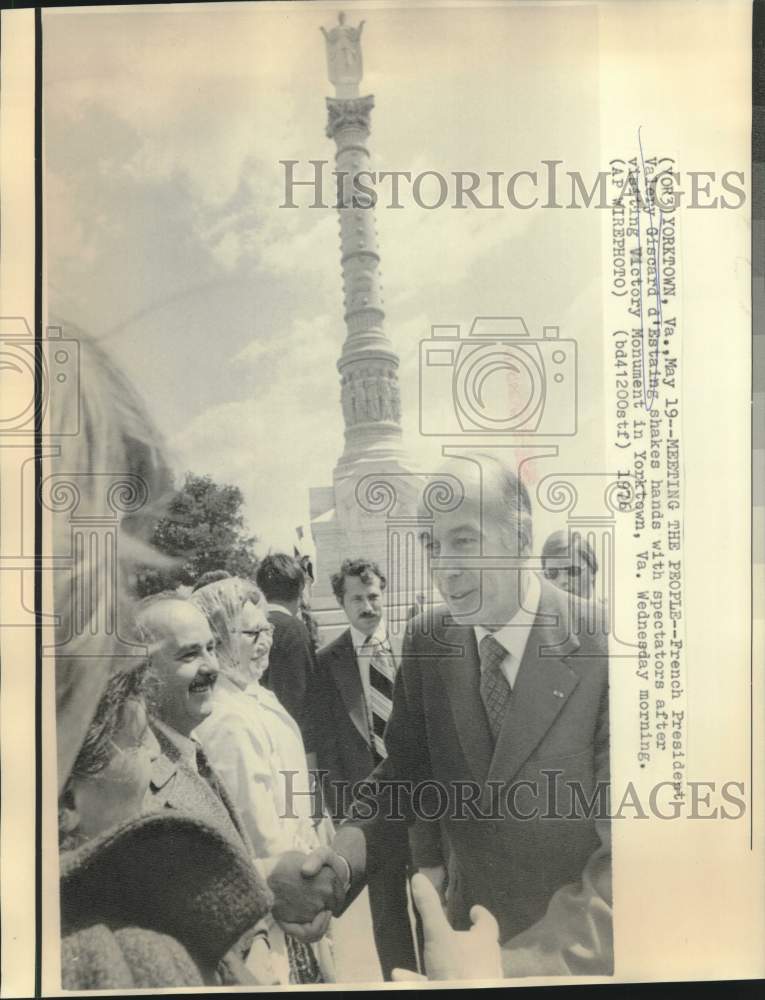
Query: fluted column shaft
[(368, 365)]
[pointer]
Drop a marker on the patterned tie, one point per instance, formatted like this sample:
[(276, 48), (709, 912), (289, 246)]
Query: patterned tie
[(382, 673), (495, 690), (205, 771)]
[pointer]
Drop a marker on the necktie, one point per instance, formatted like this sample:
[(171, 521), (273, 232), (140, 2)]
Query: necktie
[(205, 771), (382, 672), (495, 691)]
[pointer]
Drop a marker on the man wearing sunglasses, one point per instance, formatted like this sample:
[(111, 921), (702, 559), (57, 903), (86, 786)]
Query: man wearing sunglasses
[(568, 561)]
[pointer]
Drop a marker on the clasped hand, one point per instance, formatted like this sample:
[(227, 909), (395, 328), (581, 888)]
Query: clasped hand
[(308, 890)]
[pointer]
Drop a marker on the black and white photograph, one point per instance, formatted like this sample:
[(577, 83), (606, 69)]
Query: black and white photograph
[(391, 558)]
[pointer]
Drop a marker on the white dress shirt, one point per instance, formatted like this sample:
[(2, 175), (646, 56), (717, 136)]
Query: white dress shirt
[(515, 634), (363, 656)]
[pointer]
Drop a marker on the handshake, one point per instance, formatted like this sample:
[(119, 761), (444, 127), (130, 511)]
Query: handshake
[(308, 891)]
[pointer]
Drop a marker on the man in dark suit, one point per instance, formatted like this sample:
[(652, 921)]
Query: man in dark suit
[(291, 660), (350, 703), (183, 670), (499, 727)]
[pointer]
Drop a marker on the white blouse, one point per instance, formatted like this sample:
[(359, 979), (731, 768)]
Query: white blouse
[(256, 748)]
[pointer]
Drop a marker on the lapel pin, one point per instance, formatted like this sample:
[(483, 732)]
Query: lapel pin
[(558, 694)]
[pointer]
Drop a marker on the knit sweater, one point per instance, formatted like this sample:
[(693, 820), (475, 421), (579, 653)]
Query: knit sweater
[(159, 901)]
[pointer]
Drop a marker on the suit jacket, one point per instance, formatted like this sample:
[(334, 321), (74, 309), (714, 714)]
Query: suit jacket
[(547, 879), (340, 736), (176, 786), (339, 726), (290, 667)]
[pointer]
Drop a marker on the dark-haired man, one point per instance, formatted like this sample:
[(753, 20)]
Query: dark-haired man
[(351, 700), (291, 660)]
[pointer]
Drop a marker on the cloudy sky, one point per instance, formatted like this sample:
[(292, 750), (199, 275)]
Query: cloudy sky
[(164, 128)]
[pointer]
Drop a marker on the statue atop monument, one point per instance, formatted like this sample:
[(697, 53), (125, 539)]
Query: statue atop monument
[(344, 64)]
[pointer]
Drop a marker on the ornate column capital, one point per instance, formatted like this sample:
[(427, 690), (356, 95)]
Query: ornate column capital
[(352, 112)]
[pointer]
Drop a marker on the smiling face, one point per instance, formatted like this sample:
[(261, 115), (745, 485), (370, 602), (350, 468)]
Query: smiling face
[(480, 528), (183, 664), (255, 640), (362, 602)]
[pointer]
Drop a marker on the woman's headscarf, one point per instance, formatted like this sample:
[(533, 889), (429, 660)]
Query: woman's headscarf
[(223, 603)]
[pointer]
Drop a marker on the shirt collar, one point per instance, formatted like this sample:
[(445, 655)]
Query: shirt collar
[(380, 635), (185, 746), (515, 634), (275, 606), (224, 685)]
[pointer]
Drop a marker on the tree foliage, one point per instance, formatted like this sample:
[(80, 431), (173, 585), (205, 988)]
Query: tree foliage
[(204, 529)]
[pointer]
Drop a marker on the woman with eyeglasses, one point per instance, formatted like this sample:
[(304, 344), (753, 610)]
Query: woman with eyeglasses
[(255, 746)]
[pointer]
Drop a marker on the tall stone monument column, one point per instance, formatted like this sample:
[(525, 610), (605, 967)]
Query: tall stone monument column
[(347, 520), (368, 365)]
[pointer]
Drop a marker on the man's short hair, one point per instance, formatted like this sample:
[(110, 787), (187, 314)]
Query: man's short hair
[(280, 577), (562, 544), (516, 497), (211, 576), (365, 569), (142, 630)]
